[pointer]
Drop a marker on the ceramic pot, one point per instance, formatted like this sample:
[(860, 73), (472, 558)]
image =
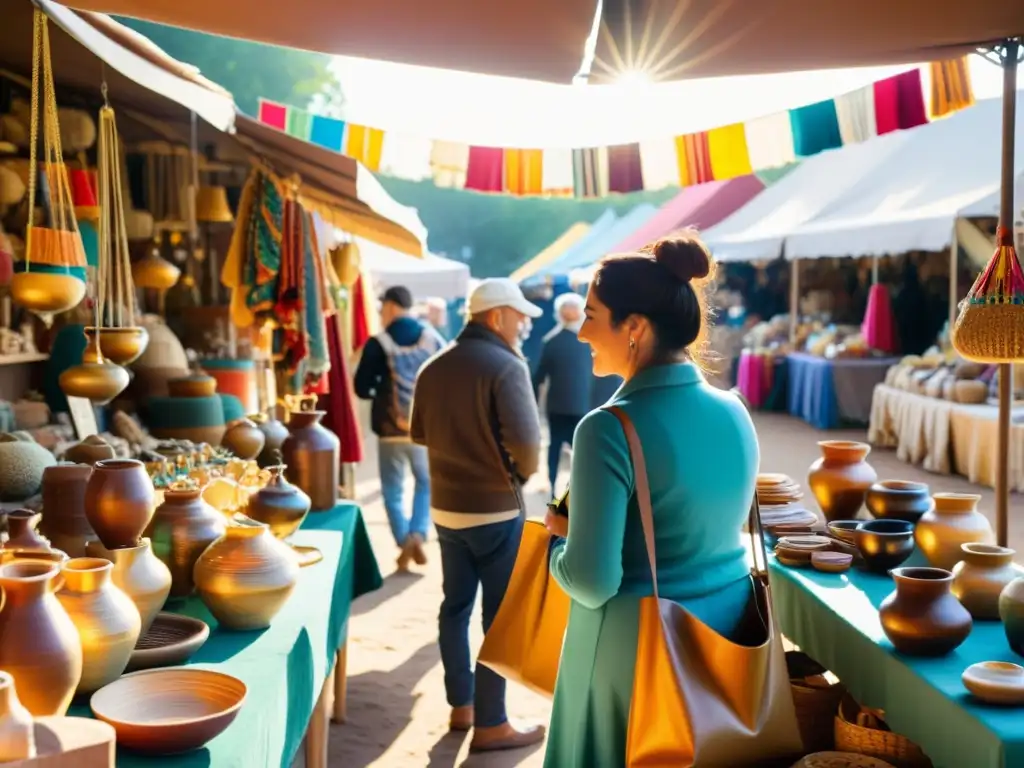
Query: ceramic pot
[(279, 504), (981, 576), (884, 544), (922, 618), (244, 439), (139, 574), (39, 644), (953, 521), (313, 455), (22, 534), (17, 731), (194, 385), (1011, 612), (181, 529), (898, 500), (840, 479), (64, 522), (107, 621), (274, 433), (119, 501), (89, 451), (246, 576)]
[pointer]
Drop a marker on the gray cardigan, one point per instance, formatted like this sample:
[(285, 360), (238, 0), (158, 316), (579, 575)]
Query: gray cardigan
[(474, 410)]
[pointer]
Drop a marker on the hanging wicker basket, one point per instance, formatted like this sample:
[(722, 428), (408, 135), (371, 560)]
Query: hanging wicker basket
[(990, 326)]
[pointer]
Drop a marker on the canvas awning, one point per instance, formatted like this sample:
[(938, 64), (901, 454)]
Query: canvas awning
[(758, 230), (546, 40), (911, 202), (560, 245), (597, 230), (595, 247), (428, 277)]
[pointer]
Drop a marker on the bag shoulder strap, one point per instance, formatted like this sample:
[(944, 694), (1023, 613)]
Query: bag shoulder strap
[(643, 498)]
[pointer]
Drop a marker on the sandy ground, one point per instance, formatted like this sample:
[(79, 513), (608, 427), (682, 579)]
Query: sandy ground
[(397, 710)]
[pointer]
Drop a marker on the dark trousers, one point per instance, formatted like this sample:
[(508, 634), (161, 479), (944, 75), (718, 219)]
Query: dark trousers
[(562, 428), (472, 558)]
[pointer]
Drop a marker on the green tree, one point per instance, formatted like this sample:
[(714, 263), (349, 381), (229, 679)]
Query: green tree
[(249, 70)]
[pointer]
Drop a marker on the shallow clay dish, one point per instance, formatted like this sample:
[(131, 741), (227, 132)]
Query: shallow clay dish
[(844, 530), (171, 640), (995, 682), (169, 711), (841, 760), (792, 562), (831, 562), (810, 543)]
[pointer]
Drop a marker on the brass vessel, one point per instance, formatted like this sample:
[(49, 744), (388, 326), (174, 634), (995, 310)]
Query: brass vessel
[(139, 574), (121, 346), (95, 379), (246, 576), (313, 456), (279, 504), (155, 272), (181, 529), (107, 621), (47, 292)]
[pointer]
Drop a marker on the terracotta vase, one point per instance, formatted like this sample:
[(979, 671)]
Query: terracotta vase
[(1011, 612), (139, 574), (17, 731), (244, 439), (922, 618), (279, 504), (39, 644), (981, 576), (119, 501), (107, 621), (313, 455), (953, 521), (274, 434), (246, 576), (181, 529), (64, 522), (840, 479), (22, 534)]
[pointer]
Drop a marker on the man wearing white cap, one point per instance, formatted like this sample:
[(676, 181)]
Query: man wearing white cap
[(474, 410)]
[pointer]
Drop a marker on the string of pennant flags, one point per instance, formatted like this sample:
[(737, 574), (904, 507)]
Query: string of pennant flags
[(895, 103)]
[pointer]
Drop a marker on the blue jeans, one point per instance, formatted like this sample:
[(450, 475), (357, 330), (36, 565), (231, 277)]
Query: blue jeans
[(393, 456), (470, 556)]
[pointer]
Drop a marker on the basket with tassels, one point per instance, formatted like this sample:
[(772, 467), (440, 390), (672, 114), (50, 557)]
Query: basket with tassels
[(990, 326)]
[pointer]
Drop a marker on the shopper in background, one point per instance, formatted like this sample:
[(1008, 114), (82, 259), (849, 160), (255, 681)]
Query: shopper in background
[(386, 375), (474, 410)]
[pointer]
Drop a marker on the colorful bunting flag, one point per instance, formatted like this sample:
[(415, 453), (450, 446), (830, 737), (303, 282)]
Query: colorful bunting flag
[(327, 132)]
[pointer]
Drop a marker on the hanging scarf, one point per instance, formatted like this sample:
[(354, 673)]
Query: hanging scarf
[(287, 310), (266, 237), (232, 275), (318, 361)]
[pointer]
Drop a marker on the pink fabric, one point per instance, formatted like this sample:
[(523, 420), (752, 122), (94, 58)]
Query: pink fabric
[(752, 379), (274, 115), (879, 327), (910, 99), (624, 172), (887, 112), (486, 169), (339, 400)]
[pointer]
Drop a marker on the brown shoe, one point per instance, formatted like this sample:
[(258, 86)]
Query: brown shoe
[(416, 545), (405, 556), (504, 736), (461, 718)]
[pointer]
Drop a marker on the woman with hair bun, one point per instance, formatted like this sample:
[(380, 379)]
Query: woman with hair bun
[(646, 321)]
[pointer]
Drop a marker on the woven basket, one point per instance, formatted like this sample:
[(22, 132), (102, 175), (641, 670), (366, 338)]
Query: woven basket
[(816, 705), (863, 731)]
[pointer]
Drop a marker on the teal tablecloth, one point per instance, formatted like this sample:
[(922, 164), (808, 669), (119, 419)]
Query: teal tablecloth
[(285, 666), (834, 619)]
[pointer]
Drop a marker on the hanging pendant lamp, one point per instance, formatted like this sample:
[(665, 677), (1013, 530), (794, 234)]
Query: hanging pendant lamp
[(212, 206), (95, 378)]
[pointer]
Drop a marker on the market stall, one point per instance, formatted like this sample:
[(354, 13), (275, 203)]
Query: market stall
[(428, 277), (558, 246), (598, 242)]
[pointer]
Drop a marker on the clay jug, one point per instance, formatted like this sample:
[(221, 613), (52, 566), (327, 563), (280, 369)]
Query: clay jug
[(313, 455), (181, 529), (107, 620), (17, 731), (119, 501), (64, 522), (981, 576), (244, 439), (22, 534), (840, 479), (953, 521), (139, 574), (246, 576), (922, 618), (39, 644), (279, 504), (274, 433)]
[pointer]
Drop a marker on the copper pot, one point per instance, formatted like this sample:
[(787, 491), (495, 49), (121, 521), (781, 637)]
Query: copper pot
[(246, 576), (840, 478), (119, 501), (181, 529), (64, 522), (107, 621), (139, 574), (22, 534), (313, 455), (954, 520), (39, 644), (244, 439), (922, 618), (279, 504)]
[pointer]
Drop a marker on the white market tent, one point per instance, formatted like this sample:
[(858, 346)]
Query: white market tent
[(944, 170), (428, 277), (758, 230)]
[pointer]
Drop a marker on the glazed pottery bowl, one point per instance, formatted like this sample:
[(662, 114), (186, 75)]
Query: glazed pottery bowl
[(898, 500), (169, 711), (845, 530), (120, 345), (995, 682), (885, 544)]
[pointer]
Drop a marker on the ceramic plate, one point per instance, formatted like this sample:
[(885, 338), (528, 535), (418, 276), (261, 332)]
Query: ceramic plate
[(171, 640), (996, 682)]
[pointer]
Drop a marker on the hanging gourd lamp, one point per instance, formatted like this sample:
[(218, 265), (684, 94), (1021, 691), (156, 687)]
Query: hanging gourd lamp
[(346, 261), (52, 276), (212, 206), (155, 272), (118, 339), (95, 378)]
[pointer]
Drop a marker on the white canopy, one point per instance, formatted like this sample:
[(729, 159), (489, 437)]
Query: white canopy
[(758, 230), (943, 170), (431, 276)]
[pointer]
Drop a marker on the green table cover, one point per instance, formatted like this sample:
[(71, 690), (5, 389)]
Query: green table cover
[(834, 619), (284, 666)]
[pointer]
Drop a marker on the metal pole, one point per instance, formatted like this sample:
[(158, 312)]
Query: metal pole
[(1009, 62), (954, 274)]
